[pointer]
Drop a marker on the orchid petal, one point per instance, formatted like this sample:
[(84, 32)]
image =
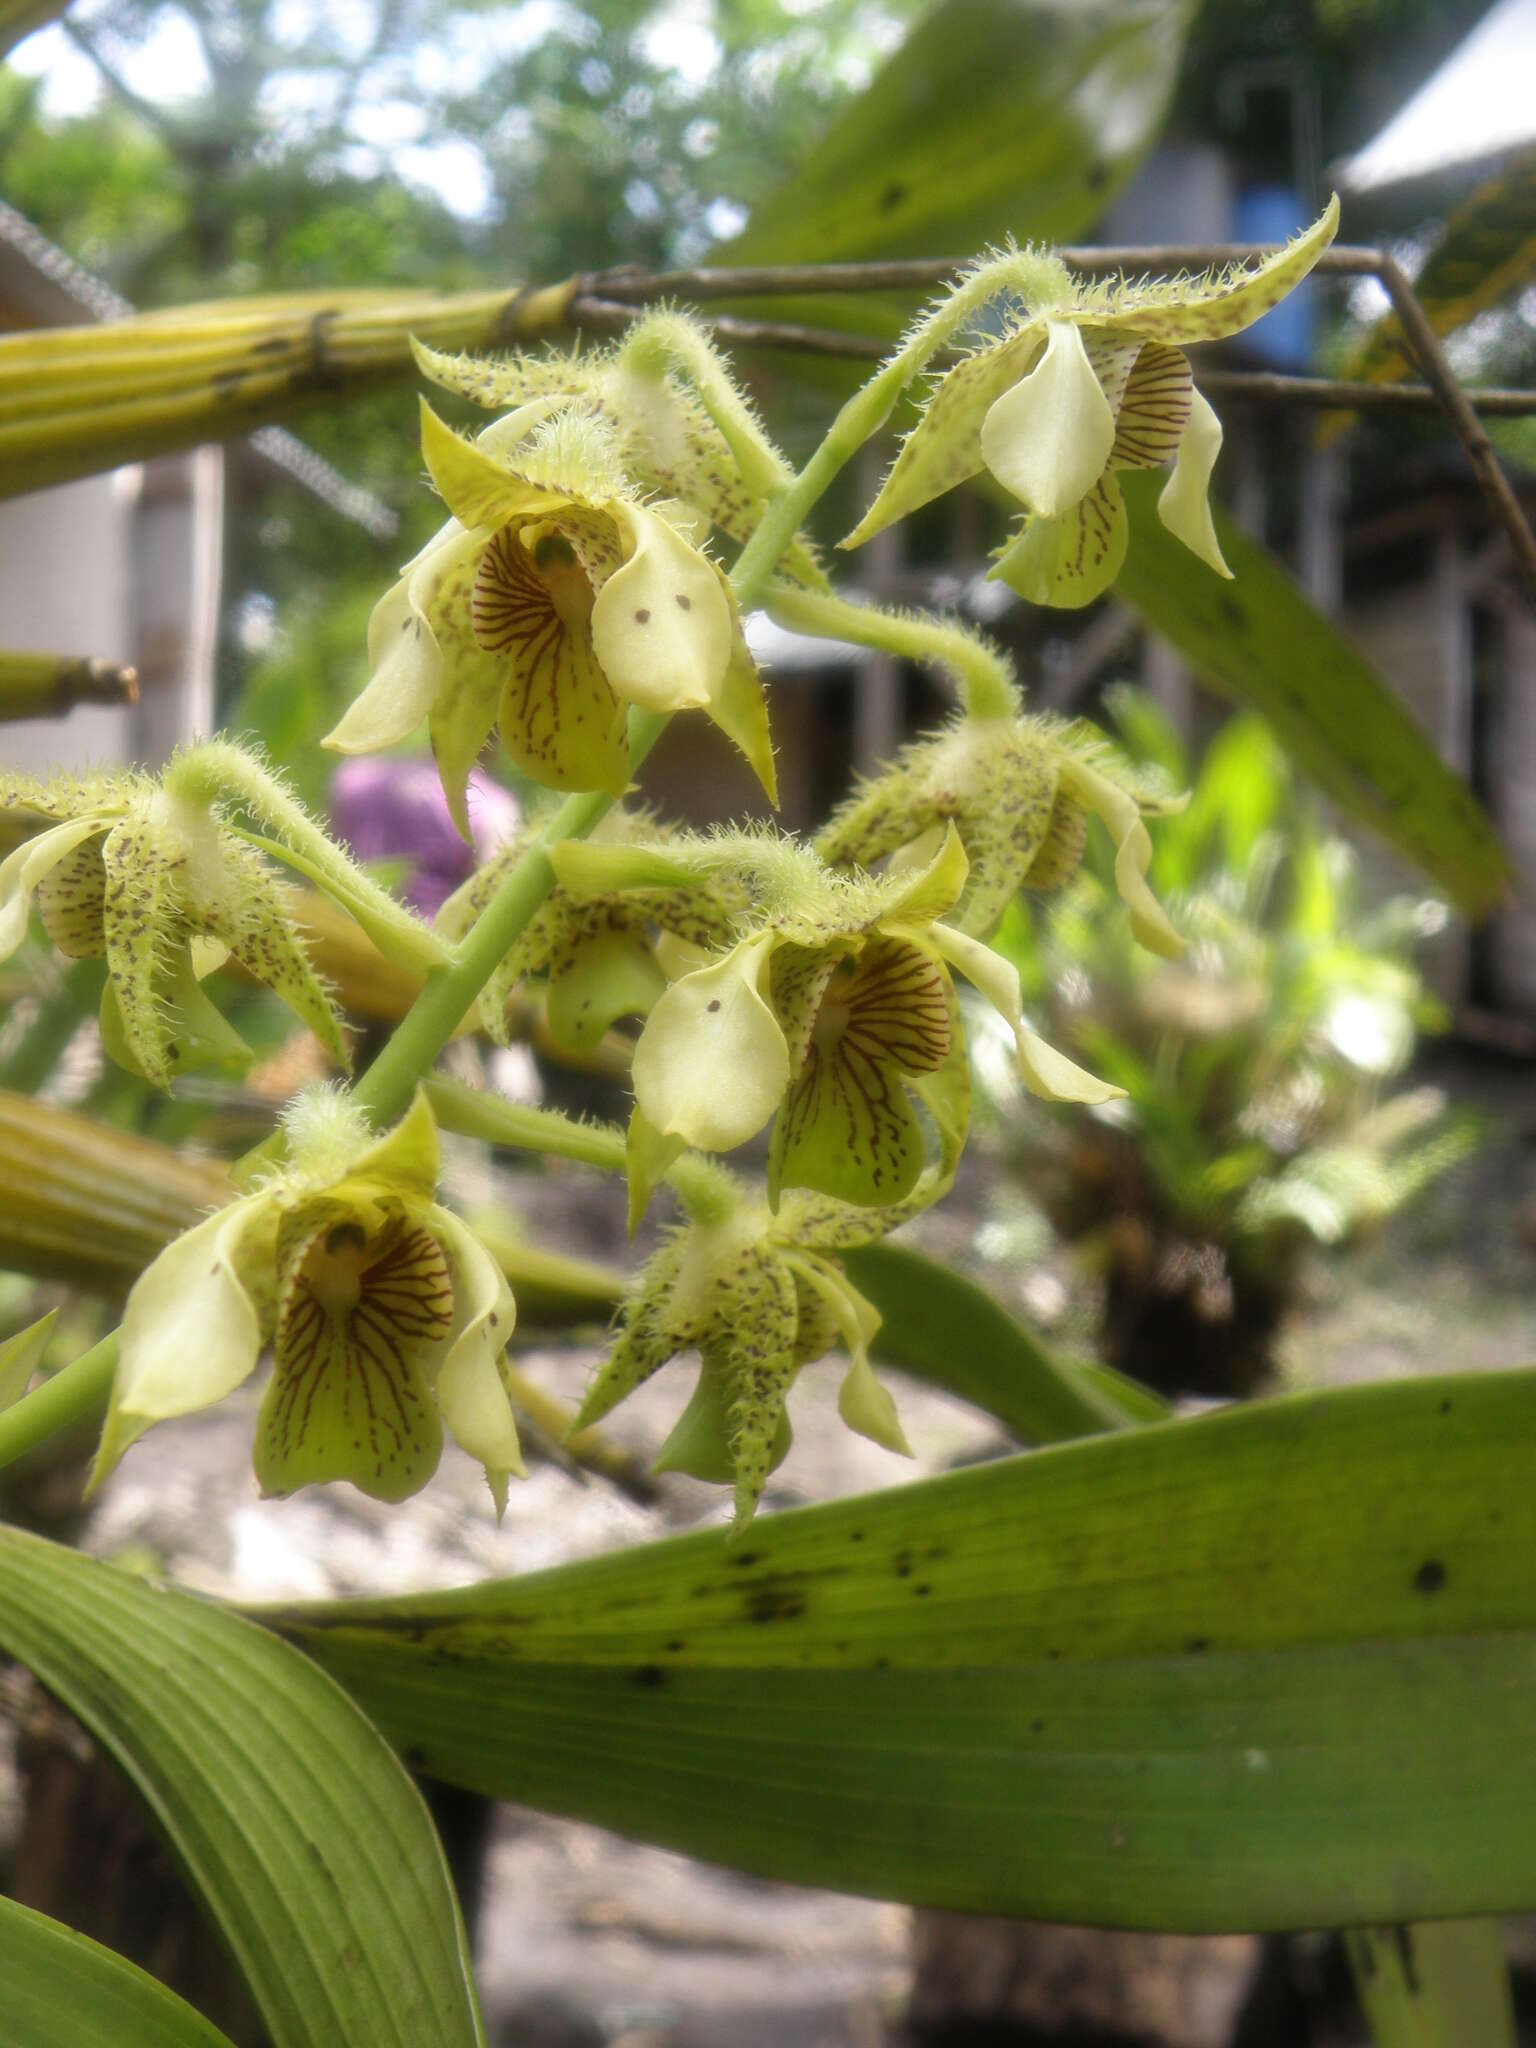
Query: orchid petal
[(1133, 851), (29, 864), (191, 1332), (930, 890), (470, 1394), (611, 973), (1184, 505), (1048, 439), (1045, 1071), (406, 670), (1068, 562), (711, 1065), (661, 626)]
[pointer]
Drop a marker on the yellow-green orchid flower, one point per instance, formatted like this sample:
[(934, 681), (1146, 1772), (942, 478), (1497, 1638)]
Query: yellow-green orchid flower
[(647, 390), (833, 1010), (758, 1297), (553, 599), (1090, 383), (165, 889), (600, 955), (1020, 791), (386, 1316)]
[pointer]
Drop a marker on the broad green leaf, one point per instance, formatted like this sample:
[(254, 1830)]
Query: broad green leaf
[(61, 1988), (1440, 1985), (1487, 252), (1258, 639), (947, 1330), (306, 1842), (993, 118), (1274, 1667)]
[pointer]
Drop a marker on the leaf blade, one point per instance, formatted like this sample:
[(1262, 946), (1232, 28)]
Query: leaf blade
[(1210, 1675), (301, 1834), (59, 1986), (1259, 639)]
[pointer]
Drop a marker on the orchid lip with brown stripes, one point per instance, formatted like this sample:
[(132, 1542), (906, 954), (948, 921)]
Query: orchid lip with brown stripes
[(387, 1318)]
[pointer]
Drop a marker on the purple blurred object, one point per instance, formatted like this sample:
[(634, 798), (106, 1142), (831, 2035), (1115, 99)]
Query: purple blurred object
[(389, 808)]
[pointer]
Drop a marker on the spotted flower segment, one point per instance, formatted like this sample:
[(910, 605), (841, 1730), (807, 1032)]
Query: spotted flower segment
[(758, 1297), (386, 1317), (1020, 792), (163, 889), (1077, 389)]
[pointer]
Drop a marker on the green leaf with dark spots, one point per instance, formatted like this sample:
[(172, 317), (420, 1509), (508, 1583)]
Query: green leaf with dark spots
[(1213, 1674)]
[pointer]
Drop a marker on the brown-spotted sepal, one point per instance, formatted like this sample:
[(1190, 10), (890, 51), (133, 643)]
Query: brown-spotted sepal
[(164, 889), (757, 1302), (1020, 793)]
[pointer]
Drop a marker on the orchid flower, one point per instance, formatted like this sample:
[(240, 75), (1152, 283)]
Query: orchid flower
[(1089, 383), (1020, 792), (165, 889), (758, 1297), (831, 1018), (554, 599), (386, 1316)]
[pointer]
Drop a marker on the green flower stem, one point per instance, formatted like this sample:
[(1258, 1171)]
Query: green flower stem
[(980, 672), (664, 340), (219, 769), (80, 1388), (707, 1192)]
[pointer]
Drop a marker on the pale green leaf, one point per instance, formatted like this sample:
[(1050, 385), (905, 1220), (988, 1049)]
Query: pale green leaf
[(1214, 1674), (305, 1841), (1258, 639), (62, 1989)]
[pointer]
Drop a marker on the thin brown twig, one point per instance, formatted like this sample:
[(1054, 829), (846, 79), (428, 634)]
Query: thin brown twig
[(1355, 395), (1262, 386), (608, 315)]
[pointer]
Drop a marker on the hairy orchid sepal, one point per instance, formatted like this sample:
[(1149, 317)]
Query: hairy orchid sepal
[(1020, 792), (1088, 380), (164, 888), (759, 1298), (386, 1316)]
